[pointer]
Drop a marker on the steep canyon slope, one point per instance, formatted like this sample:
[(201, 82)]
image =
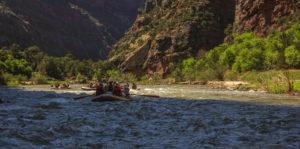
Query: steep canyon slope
[(168, 31), (66, 26)]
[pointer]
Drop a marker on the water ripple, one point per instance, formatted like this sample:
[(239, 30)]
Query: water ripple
[(46, 119)]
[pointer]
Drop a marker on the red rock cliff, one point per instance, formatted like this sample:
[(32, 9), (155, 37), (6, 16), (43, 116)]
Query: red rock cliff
[(168, 31), (261, 15)]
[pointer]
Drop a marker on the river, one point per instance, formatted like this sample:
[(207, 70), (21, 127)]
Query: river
[(183, 117)]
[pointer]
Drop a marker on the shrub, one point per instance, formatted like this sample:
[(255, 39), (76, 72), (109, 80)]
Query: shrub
[(144, 80), (80, 77), (176, 72), (277, 89), (249, 60), (251, 77), (39, 79), (113, 75), (156, 77), (297, 87), (11, 79), (8, 77), (207, 75), (21, 78), (128, 77), (230, 75), (292, 56)]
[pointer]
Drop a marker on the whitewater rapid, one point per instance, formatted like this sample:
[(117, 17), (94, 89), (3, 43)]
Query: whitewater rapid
[(184, 117)]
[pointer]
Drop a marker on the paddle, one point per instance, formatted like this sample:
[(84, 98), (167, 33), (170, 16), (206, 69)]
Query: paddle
[(151, 96), (76, 98)]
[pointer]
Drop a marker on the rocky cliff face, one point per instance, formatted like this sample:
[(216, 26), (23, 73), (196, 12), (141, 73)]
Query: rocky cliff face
[(168, 31), (261, 15), (66, 26)]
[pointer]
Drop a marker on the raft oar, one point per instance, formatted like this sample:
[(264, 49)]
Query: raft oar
[(76, 98), (151, 96)]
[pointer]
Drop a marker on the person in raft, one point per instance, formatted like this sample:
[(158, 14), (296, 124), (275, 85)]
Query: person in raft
[(57, 85), (63, 86), (99, 89), (125, 91), (117, 90), (110, 87), (134, 86), (90, 85)]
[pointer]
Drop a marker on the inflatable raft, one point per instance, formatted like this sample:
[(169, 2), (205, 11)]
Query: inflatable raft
[(88, 88)]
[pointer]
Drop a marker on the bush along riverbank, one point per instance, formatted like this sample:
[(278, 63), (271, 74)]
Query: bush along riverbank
[(271, 63), (273, 81), (31, 66)]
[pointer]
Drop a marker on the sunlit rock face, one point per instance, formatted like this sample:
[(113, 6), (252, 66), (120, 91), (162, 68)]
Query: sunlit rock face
[(85, 28), (167, 31), (261, 15)]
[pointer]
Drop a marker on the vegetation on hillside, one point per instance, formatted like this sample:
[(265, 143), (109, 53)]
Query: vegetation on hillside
[(246, 53), (18, 65), (155, 19)]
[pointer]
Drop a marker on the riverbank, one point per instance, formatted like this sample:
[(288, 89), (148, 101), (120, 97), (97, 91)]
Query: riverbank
[(273, 81), (247, 86), (226, 85)]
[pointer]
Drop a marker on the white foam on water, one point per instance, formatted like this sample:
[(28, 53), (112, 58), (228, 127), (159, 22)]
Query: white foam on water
[(148, 89)]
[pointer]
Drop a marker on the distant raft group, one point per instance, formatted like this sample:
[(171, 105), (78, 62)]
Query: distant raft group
[(60, 86)]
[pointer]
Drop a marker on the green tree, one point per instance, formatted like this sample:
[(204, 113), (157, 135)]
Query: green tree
[(227, 58), (248, 60), (52, 67), (212, 57), (189, 70), (16, 51), (3, 66), (33, 56), (176, 72), (292, 56), (69, 65), (15, 66), (271, 59), (113, 75), (4, 51)]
